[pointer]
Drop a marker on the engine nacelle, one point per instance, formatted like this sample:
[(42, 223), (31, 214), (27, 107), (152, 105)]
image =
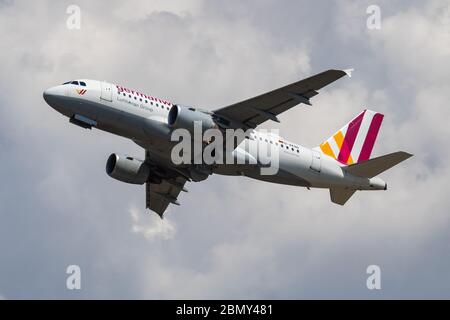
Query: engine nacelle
[(184, 117), (127, 169)]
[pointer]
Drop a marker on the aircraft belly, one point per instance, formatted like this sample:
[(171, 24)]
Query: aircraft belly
[(330, 174), (288, 170), (122, 121), (121, 124), (282, 177)]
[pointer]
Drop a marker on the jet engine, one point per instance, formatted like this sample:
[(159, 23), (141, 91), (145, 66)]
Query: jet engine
[(127, 169), (181, 117)]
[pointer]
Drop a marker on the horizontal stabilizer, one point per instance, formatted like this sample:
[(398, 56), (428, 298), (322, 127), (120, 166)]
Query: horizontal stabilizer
[(375, 166), (340, 195)]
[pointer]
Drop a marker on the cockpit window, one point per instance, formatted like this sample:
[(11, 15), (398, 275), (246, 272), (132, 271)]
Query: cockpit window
[(77, 83)]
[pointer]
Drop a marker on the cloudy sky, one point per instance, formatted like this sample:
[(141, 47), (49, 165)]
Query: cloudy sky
[(232, 237)]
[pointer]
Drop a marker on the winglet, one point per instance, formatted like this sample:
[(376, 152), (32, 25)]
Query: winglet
[(349, 72)]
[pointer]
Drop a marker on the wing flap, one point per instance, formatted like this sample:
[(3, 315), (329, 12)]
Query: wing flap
[(159, 196)]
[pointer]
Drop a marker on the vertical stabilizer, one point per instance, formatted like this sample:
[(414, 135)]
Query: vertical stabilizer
[(354, 142)]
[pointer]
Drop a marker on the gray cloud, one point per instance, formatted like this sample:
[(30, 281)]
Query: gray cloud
[(232, 237)]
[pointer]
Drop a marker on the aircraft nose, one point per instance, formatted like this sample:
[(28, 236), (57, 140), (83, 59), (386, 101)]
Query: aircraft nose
[(53, 96), (50, 92)]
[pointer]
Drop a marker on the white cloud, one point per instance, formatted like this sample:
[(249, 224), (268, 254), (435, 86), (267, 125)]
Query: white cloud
[(151, 226), (417, 44), (135, 10), (231, 237)]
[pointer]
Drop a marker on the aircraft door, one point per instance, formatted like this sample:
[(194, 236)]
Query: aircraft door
[(316, 161), (106, 92)]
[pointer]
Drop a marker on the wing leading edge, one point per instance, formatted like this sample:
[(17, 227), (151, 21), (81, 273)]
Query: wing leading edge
[(252, 112)]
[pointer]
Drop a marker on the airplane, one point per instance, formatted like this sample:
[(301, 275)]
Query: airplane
[(342, 163)]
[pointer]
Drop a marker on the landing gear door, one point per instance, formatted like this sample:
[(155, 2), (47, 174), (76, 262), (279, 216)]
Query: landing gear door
[(316, 161), (106, 92)]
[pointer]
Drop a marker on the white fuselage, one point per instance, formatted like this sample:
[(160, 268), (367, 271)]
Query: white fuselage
[(143, 119)]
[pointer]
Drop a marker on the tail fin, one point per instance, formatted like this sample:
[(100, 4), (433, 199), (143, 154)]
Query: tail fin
[(355, 141)]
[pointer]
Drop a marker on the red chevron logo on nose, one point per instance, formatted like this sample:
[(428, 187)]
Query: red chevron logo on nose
[(81, 91)]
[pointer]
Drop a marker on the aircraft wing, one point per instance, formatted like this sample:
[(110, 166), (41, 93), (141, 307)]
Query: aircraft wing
[(159, 196), (252, 112)]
